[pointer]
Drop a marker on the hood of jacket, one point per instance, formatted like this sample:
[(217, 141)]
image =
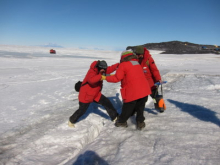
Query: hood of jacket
[(93, 66), (146, 53)]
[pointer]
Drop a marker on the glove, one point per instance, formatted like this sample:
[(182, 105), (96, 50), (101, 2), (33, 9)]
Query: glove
[(103, 78)]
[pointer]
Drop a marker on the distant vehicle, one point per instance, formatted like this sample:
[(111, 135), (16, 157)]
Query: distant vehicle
[(52, 51)]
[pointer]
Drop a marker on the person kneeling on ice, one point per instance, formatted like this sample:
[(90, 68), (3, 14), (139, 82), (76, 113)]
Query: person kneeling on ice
[(133, 92), (90, 91)]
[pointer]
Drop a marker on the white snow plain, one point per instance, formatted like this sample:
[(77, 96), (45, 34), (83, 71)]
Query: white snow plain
[(37, 97)]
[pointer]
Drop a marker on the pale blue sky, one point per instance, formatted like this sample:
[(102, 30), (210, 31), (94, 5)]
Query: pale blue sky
[(108, 24)]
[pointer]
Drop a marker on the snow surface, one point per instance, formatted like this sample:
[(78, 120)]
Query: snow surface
[(37, 97)]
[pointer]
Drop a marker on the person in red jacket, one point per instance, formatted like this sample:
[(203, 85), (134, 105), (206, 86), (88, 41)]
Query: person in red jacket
[(90, 91), (133, 92), (149, 67)]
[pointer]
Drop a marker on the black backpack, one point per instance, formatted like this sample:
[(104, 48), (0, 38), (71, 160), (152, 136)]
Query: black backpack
[(78, 85)]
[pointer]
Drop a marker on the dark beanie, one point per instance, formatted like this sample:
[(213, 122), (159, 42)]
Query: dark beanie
[(102, 64), (139, 50)]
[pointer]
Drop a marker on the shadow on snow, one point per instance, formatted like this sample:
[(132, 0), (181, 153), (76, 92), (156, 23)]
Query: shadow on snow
[(90, 158), (197, 111)]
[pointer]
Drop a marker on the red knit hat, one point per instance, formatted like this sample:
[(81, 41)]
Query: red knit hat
[(126, 53)]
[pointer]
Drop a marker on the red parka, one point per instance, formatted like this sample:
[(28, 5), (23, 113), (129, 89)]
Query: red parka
[(149, 67), (132, 80), (92, 90)]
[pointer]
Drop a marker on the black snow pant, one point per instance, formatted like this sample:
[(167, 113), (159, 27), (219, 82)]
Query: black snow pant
[(154, 92), (134, 106), (104, 101)]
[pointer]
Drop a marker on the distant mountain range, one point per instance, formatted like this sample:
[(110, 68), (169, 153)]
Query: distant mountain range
[(178, 47), (52, 45)]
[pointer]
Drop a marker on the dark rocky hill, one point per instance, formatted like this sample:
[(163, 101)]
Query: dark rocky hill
[(178, 47)]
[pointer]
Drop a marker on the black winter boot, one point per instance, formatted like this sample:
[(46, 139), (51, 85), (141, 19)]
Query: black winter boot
[(117, 124), (140, 125)]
